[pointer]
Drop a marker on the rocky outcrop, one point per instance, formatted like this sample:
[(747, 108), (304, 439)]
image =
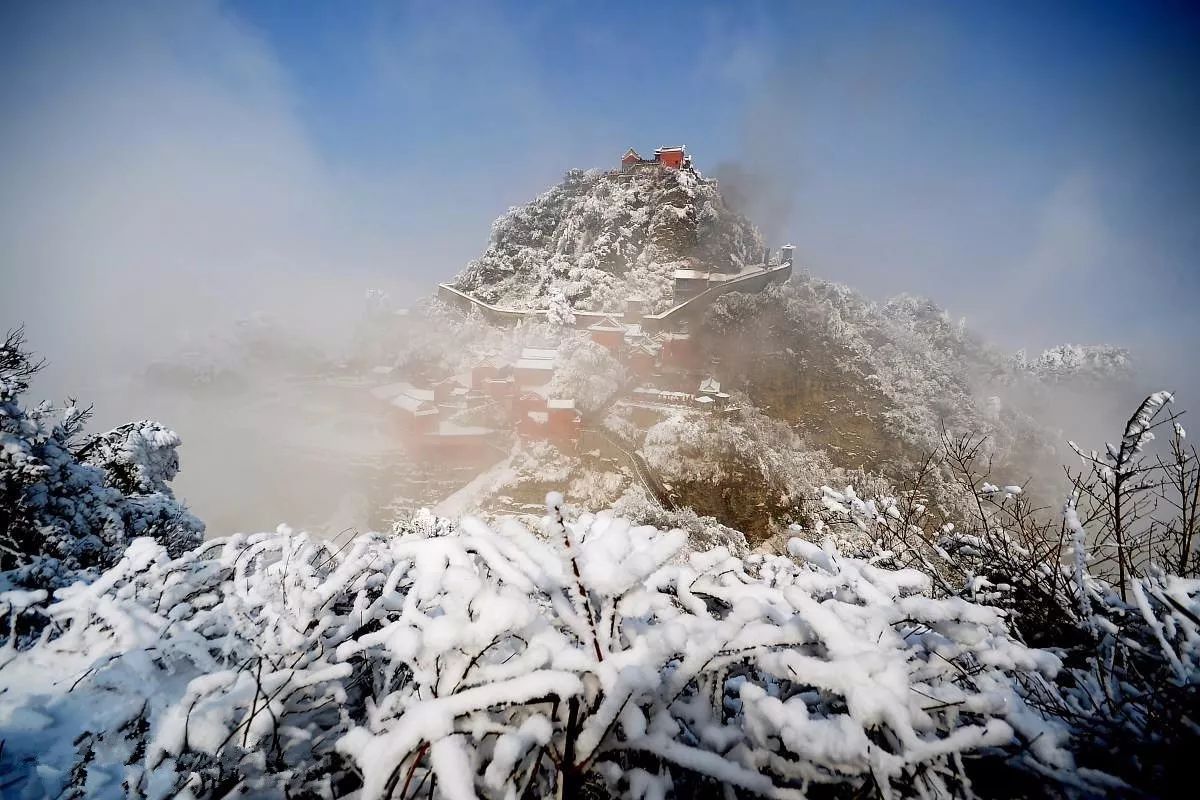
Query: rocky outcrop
[(601, 237)]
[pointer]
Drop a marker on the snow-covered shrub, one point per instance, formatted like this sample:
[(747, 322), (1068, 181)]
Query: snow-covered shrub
[(1001, 549), (421, 522), (540, 463), (1090, 584), (497, 663), (597, 489), (1131, 693), (1140, 508), (703, 533), (69, 504), (711, 448), (138, 457), (587, 373)]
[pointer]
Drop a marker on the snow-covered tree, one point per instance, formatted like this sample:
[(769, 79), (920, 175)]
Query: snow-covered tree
[(70, 504), (587, 373), (1094, 364), (559, 313)]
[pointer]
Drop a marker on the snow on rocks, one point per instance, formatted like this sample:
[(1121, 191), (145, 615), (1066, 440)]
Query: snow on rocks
[(480, 663), (597, 238)]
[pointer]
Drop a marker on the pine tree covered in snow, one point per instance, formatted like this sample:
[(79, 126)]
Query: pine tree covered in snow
[(69, 503)]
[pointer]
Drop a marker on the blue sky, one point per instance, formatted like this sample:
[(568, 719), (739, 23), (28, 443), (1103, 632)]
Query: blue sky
[(1031, 166)]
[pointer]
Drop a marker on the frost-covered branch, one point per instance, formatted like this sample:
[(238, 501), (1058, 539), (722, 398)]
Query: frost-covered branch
[(457, 665)]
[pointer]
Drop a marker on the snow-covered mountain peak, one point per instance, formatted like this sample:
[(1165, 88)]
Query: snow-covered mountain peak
[(603, 236)]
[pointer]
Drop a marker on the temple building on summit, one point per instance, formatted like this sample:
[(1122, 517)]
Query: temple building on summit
[(670, 157)]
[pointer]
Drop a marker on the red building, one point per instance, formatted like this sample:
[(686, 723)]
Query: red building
[(534, 425), (608, 333), (679, 351), (486, 370), (413, 411), (414, 416), (673, 157), (526, 403), (535, 366), (642, 360), (670, 157), (448, 390), (499, 388), (554, 420), (564, 422)]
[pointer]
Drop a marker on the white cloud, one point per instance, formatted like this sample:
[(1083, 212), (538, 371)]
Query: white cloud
[(161, 179)]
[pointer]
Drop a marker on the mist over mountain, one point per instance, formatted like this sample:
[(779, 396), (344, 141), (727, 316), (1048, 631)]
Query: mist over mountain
[(392, 407), (819, 385), (628, 435)]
